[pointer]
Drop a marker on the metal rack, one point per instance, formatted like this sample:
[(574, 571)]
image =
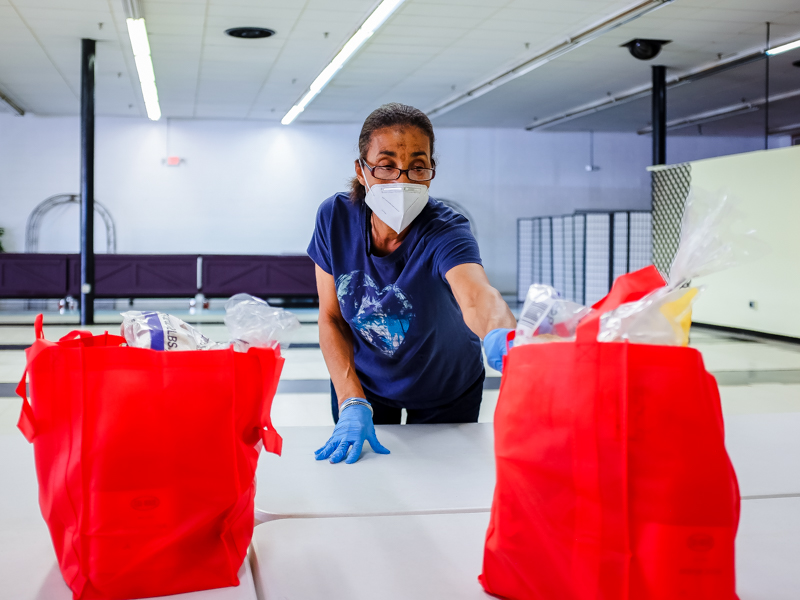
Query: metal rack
[(35, 221)]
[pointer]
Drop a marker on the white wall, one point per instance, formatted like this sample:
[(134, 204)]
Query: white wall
[(766, 187), (248, 187)]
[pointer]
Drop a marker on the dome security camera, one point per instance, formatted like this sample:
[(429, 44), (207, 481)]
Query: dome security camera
[(645, 49)]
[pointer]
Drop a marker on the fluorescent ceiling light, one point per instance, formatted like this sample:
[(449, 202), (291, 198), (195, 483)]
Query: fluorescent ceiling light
[(291, 115), (138, 34), (642, 91), (784, 48), (370, 26), (11, 105), (571, 43), (724, 112), (705, 117), (144, 66)]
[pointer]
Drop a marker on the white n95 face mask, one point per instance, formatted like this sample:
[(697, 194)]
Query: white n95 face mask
[(397, 204)]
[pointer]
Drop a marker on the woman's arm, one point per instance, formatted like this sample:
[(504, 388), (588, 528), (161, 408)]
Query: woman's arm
[(483, 307), (336, 340)]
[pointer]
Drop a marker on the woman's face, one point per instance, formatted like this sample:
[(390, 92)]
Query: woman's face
[(402, 147)]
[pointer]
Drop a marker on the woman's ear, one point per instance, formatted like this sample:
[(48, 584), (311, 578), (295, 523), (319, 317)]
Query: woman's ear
[(359, 173)]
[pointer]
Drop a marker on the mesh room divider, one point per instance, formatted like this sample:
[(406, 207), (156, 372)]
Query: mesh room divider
[(670, 189), (581, 254)]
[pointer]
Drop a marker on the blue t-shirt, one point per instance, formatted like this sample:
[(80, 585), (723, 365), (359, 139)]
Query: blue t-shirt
[(412, 346)]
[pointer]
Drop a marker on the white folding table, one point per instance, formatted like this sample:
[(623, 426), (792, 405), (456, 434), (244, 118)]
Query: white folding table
[(765, 451), (417, 517), (430, 468), (439, 555), (768, 549), (433, 491), (437, 467), (443, 469), (425, 557)]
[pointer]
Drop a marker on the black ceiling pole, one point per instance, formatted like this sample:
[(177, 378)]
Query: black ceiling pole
[(659, 115), (766, 93), (87, 181)]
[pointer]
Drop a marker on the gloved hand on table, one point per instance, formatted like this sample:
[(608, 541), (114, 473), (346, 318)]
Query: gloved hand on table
[(495, 347), (353, 429)]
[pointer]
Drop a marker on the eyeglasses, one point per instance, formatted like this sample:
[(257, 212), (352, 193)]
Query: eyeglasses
[(392, 173)]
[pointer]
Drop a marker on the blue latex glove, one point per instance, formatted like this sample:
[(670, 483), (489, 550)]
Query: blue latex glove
[(353, 429), (494, 345)]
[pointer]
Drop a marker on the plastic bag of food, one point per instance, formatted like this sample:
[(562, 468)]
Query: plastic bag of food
[(160, 331), (712, 239), (254, 323), (662, 318), (547, 318)]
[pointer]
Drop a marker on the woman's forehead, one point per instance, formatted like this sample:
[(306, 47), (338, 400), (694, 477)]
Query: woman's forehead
[(391, 141)]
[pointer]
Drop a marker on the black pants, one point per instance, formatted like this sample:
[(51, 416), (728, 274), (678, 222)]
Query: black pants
[(463, 409)]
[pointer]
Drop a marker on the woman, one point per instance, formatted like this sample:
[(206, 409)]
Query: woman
[(403, 298)]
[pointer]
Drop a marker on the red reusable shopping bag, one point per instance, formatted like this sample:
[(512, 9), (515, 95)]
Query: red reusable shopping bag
[(146, 460), (613, 481)]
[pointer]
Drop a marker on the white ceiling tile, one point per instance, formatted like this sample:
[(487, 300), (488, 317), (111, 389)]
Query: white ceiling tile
[(59, 4), (154, 10), (423, 52), (259, 11)]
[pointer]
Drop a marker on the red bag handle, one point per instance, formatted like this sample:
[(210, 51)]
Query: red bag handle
[(27, 419), (588, 328), (630, 288), (78, 333), (627, 288), (273, 442), (38, 326)]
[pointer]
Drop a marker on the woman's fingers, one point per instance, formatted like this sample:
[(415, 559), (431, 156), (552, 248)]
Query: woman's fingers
[(340, 452), (355, 452), (326, 450), (336, 449), (376, 445)]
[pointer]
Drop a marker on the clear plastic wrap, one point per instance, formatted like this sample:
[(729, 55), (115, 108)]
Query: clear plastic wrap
[(547, 318), (712, 239), (160, 331), (254, 323), (662, 318)]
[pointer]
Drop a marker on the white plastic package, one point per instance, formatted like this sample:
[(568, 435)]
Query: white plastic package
[(160, 331), (252, 322), (712, 239), (547, 318)]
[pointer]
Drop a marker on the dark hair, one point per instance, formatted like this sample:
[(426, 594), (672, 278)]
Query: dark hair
[(393, 114)]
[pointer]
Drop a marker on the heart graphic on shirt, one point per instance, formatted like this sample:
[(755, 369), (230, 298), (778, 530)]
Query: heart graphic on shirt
[(381, 316)]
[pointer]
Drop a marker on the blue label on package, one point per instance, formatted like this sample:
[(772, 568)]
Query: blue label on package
[(156, 330)]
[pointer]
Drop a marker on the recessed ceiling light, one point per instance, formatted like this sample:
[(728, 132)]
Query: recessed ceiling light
[(250, 33)]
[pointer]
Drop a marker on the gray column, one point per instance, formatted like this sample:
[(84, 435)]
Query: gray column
[(659, 115), (87, 181)]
